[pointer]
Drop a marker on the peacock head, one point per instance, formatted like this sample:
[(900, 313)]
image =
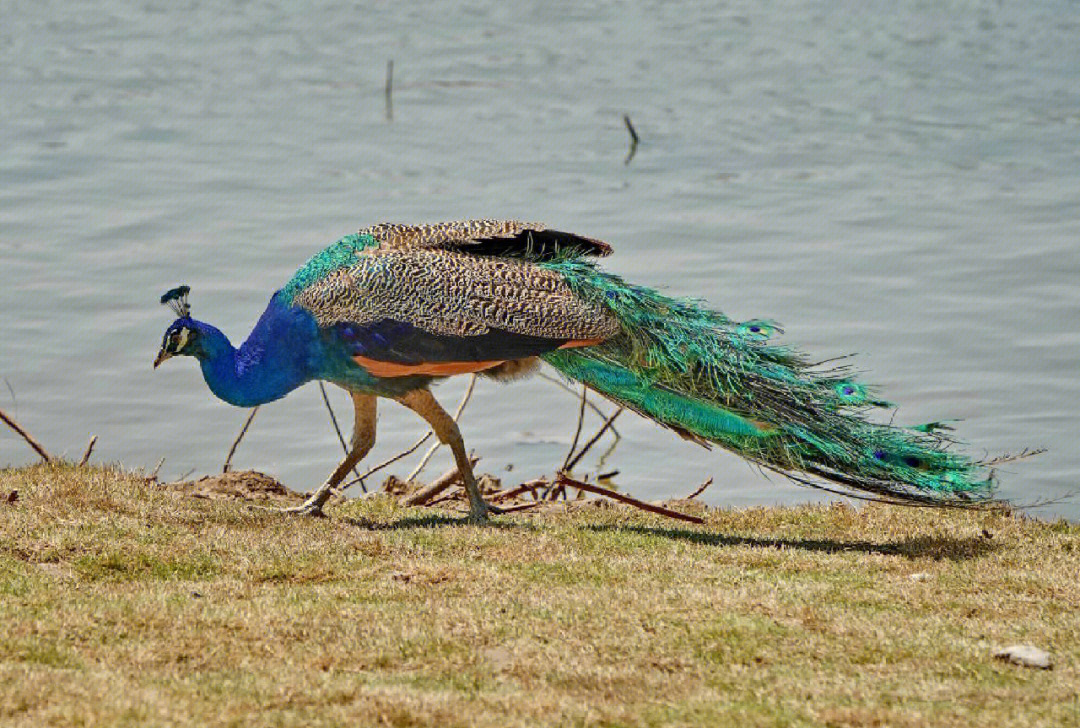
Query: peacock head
[(182, 336)]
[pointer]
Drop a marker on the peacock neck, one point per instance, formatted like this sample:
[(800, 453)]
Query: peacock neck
[(275, 359)]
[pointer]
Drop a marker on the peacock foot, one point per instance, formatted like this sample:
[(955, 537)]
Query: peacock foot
[(310, 507), (481, 512)]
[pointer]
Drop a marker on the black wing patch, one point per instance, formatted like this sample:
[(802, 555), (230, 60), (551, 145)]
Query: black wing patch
[(537, 245), (398, 342)]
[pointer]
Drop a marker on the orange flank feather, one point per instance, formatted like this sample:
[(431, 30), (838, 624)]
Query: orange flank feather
[(437, 368), (575, 343), (445, 368)]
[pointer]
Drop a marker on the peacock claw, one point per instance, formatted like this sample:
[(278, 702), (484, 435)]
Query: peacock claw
[(313, 510)]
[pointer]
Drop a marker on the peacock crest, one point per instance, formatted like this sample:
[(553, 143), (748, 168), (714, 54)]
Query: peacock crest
[(177, 300)]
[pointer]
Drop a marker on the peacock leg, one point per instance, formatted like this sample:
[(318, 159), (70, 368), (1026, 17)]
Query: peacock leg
[(423, 403), (362, 440)]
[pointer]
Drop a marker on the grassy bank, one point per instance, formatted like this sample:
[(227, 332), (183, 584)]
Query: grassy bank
[(125, 603)]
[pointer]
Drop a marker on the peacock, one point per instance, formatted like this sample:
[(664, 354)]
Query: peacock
[(391, 309)]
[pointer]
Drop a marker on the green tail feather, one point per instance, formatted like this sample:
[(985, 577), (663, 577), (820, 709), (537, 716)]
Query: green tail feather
[(720, 381)]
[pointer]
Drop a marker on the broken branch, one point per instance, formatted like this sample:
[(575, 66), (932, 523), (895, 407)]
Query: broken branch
[(592, 441), (701, 489), (565, 479), (577, 432), (89, 449), (38, 448), (529, 487), (389, 461), (562, 385), (236, 442), (437, 486)]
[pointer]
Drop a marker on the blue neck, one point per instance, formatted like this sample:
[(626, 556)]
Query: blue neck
[(277, 357)]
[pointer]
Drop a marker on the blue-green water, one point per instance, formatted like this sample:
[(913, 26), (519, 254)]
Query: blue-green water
[(898, 180)]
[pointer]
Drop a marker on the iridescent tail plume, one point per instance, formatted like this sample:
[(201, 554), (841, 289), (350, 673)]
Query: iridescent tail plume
[(718, 381)]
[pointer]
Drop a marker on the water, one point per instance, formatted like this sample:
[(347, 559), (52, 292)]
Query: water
[(895, 180)]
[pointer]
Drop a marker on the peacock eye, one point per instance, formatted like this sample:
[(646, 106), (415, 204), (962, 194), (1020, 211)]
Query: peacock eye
[(179, 339)]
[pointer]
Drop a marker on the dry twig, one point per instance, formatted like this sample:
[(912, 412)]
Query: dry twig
[(565, 479), (437, 486), (89, 449), (592, 441), (389, 461), (562, 385), (521, 507), (701, 489), (577, 432), (529, 487), (38, 448), (633, 138), (388, 90), (236, 442)]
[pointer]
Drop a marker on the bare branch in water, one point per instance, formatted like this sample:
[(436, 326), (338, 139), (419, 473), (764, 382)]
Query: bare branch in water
[(634, 139), (577, 432), (701, 489), (12, 393), (593, 440), (1013, 457), (38, 448), (388, 90), (89, 449), (389, 461), (236, 442), (563, 385)]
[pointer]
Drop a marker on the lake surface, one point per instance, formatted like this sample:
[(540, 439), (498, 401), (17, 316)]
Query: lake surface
[(898, 181)]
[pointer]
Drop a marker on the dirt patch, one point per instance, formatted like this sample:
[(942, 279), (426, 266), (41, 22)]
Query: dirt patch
[(247, 485)]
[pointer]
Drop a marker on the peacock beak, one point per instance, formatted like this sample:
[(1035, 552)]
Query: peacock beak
[(161, 356)]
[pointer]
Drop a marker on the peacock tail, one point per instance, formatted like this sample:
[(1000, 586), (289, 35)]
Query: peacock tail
[(714, 380)]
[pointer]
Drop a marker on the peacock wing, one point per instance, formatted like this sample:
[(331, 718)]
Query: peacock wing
[(409, 309)]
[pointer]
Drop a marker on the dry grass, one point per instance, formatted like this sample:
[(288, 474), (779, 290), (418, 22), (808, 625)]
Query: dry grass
[(129, 604)]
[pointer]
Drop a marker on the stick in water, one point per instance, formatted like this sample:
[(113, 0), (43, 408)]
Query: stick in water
[(89, 449), (388, 89), (701, 489), (38, 448), (236, 442), (592, 440), (633, 138), (577, 432)]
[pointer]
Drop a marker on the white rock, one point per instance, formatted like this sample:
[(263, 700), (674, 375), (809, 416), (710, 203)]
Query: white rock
[(921, 576), (1026, 655)]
